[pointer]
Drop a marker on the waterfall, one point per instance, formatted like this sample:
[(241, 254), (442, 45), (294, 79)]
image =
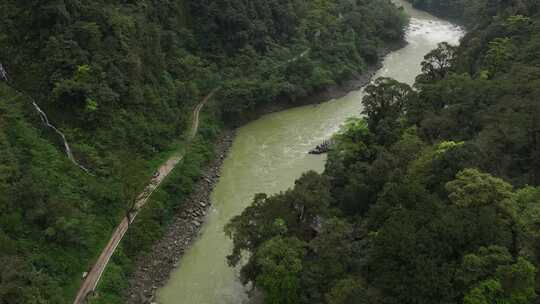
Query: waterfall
[(3, 73), (67, 148), (45, 120)]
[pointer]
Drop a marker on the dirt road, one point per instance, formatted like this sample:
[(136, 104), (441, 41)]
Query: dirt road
[(91, 281)]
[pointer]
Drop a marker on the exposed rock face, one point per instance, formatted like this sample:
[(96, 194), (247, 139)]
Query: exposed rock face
[(152, 270)]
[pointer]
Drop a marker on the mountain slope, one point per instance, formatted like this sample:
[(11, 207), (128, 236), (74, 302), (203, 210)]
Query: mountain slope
[(120, 79), (432, 197)]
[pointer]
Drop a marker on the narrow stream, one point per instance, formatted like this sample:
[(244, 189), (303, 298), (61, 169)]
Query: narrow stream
[(269, 154)]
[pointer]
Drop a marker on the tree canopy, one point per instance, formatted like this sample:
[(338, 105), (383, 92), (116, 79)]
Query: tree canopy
[(121, 79), (434, 192)]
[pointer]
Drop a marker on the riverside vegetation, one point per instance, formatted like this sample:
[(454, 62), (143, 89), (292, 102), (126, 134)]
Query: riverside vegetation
[(432, 197), (120, 79)]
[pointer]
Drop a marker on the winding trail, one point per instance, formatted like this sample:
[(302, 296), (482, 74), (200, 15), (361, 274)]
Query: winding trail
[(91, 281)]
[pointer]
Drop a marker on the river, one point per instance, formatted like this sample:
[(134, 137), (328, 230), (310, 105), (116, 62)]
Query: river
[(269, 154)]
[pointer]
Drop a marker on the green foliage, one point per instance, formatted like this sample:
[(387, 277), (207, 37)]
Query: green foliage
[(280, 262), (384, 105), (472, 188), (47, 209), (510, 284), (469, 12), (150, 225), (290, 50), (347, 291), (499, 55), (55, 218), (487, 292), (482, 264), (443, 147), (434, 194), (121, 80), (477, 12), (437, 64), (517, 23), (289, 213)]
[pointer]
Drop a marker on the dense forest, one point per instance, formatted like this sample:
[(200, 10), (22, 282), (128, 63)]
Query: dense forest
[(120, 79), (432, 197), (468, 12)]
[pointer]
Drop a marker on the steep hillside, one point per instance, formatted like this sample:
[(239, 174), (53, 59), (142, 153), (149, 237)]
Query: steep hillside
[(120, 79), (432, 197), (470, 12)]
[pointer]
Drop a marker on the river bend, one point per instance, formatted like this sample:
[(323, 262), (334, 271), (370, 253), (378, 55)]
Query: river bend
[(269, 154)]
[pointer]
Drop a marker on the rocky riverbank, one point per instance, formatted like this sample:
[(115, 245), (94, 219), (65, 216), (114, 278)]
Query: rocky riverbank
[(153, 269)]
